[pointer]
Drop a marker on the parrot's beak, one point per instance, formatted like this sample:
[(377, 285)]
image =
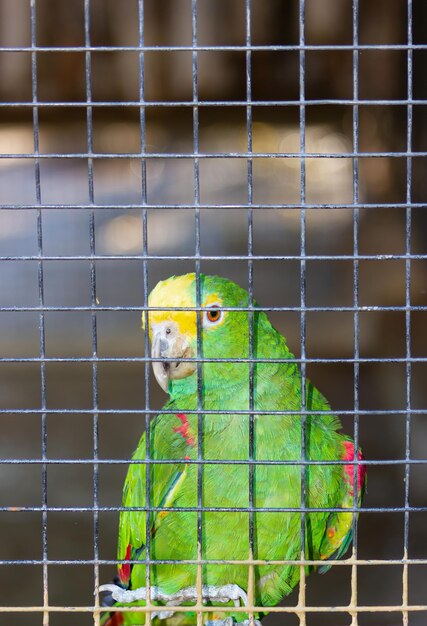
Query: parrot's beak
[(169, 343)]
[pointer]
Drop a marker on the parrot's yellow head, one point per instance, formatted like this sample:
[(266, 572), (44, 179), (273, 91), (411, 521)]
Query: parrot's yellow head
[(179, 293), (172, 325)]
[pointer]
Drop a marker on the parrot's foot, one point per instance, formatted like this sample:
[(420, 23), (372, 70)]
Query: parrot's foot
[(210, 593), (133, 595)]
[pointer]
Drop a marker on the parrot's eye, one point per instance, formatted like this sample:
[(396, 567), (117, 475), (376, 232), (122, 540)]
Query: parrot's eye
[(213, 315)]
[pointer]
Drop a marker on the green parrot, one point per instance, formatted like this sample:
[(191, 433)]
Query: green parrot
[(225, 483)]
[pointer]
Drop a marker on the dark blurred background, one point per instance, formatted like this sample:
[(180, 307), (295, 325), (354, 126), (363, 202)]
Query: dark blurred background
[(223, 181)]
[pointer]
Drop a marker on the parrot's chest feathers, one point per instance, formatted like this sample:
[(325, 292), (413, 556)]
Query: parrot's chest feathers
[(226, 436)]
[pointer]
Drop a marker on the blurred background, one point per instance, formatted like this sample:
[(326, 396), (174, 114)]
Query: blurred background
[(223, 182)]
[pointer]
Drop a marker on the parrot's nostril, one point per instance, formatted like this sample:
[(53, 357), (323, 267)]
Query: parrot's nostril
[(166, 366)]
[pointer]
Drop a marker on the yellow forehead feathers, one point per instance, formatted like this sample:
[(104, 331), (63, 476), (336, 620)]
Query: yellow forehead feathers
[(177, 292)]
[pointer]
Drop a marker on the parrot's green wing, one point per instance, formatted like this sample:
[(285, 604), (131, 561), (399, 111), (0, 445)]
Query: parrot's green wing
[(339, 530), (164, 490), (133, 525)]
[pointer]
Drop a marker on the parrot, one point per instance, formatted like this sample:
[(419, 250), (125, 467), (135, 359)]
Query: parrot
[(199, 503)]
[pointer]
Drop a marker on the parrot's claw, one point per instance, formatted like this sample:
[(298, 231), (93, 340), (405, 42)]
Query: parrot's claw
[(125, 596), (210, 593)]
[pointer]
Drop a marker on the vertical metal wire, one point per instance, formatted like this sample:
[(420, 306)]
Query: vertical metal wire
[(93, 298), (195, 83), (408, 246), (356, 329), (143, 143), (40, 277), (251, 451), (302, 120)]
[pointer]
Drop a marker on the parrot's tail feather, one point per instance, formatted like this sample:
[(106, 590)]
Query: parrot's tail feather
[(338, 554), (114, 619)]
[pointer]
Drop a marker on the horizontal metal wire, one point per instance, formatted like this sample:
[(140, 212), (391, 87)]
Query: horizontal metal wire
[(142, 359), (332, 562), (219, 48), (101, 411), (245, 207), (210, 155), (298, 610), (289, 309), (205, 257), (209, 509), (254, 462), (211, 103)]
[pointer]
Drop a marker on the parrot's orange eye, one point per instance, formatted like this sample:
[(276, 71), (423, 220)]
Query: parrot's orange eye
[(213, 315)]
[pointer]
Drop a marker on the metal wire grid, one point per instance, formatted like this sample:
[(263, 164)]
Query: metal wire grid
[(301, 609)]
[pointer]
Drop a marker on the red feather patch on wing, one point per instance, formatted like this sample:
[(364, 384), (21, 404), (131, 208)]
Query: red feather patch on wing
[(184, 430), (349, 469), (124, 570)]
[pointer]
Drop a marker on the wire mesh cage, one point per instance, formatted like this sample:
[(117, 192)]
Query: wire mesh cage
[(281, 145)]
